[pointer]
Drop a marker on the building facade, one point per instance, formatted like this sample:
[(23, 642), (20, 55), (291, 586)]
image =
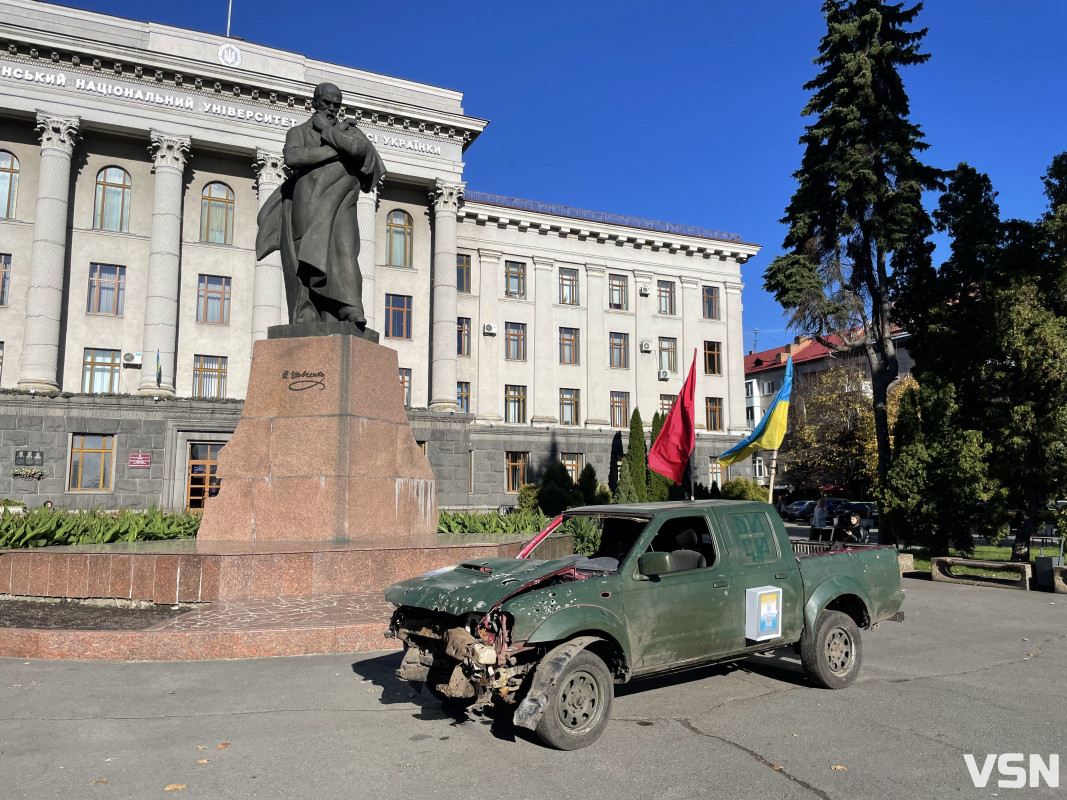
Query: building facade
[(133, 160)]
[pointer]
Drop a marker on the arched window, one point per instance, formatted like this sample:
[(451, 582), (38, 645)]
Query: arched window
[(9, 184), (398, 230), (216, 214), (113, 189)]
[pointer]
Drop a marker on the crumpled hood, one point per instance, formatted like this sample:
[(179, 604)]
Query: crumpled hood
[(475, 585)]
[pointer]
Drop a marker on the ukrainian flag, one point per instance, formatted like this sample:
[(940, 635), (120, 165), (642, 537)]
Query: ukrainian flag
[(769, 433)]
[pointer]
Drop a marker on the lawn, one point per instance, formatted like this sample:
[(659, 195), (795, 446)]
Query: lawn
[(982, 553)]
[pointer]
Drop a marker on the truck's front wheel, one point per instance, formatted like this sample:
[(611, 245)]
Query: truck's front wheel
[(579, 704), (833, 654)]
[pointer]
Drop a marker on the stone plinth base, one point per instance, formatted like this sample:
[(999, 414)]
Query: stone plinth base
[(324, 451)]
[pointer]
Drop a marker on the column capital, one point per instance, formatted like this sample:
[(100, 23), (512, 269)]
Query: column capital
[(57, 133), (169, 150), (446, 196), (270, 169)]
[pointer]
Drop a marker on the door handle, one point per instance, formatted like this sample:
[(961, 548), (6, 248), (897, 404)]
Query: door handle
[(720, 584), (781, 576)]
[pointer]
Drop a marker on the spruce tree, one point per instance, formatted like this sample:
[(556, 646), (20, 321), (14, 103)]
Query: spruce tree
[(588, 484), (637, 457), (856, 219), (624, 492), (659, 486)]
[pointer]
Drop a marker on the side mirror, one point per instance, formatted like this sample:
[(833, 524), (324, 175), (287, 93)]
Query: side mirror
[(652, 564)]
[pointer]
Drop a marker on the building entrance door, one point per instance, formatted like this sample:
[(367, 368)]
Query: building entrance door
[(202, 482)]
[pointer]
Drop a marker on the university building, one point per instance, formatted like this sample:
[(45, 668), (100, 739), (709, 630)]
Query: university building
[(133, 160)]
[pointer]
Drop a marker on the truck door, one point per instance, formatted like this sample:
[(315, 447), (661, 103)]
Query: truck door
[(757, 560)]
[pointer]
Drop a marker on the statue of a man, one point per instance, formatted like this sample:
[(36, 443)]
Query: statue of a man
[(311, 218)]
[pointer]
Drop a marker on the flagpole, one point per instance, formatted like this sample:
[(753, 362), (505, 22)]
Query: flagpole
[(774, 469), (229, 13)]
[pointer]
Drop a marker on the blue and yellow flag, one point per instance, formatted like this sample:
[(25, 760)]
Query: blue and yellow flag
[(769, 433)]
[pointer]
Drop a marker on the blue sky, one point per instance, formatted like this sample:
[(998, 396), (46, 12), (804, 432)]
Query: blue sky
[(687, 112)]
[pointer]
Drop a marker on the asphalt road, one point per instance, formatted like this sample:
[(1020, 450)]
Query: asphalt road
[(972, 670)]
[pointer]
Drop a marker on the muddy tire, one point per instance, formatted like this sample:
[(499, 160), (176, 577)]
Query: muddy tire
[(579, 704), (833, 654)]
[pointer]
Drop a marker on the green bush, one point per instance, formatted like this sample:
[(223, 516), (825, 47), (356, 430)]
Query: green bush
[(45, 527), (743, 489), (586, 533), (557, 491), (527, 497), (474, 522)]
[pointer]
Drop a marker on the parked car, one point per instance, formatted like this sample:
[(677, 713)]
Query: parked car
[(801, 509), (670, 586)]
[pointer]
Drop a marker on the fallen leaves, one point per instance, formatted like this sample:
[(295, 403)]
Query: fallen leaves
[(203, 761), (224, 745), (777, 767), (839, 768), (174, 787), (201, 747), (98, 780)]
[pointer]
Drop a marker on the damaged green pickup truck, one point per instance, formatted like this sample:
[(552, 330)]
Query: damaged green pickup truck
[(669, 586)]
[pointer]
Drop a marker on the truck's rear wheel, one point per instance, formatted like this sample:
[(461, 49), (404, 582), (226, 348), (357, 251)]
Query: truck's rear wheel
[(832, 654), (579, 704)]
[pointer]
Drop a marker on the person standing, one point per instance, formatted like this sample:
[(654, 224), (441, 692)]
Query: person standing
[(818, 519)]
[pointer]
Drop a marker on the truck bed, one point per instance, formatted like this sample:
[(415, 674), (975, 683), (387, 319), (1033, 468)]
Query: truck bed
[(872, 569)]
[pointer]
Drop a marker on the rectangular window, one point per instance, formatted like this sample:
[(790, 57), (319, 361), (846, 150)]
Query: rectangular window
[(750, 417), (713, 407), (5, 279), (515, 404), (515, 341), (101, 370), (665, 291), (620, 409), (759, 469), (213, 300), (397, 316), (618, 292), (91, 460), (712, 358), (515, 279), (405, 384), (570, 407), (619, 350), (107, 289), (209, 376), (463, 273), (750, 388), (202, 480), (470, 472), (716, 472), (568, 346), (518, 464), (769, 387), (1, 360), (668, 353), (574, 462), (568, 286), (666, 403), (463, 396), (711, 302), (463, 336)]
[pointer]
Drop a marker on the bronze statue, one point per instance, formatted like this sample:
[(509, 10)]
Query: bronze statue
[(311, 218)]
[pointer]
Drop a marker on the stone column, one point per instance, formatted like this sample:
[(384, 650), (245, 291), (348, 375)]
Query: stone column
[(44, 302), (544, 347), (733, 357), (445, 198), (366, 208), (268, 287), (169, 153), (595, 399)]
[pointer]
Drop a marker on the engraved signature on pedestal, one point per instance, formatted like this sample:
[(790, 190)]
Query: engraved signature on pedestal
[(302, 380)]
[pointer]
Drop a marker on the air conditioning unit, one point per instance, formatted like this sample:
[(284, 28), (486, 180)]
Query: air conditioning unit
[(489, 329), (131, 359), (646, 347), (644, 291), (664, 374)]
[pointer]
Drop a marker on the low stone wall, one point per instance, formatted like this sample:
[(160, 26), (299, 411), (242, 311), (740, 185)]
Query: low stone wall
[(940, 570)]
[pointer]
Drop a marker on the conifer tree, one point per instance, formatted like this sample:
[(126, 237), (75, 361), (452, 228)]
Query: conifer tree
[(659, 486), (624, 492), (637, 457)]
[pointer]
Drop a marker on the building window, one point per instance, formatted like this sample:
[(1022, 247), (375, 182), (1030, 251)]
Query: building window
[(618, 292), (9, 184), (91, 459), (716, 473), (213, 300), (463, 273), (568, 286), (750, 388), (463, 396), (216, 214), (570, 407), (515, 341), (1, 359), (405, 385), (713, 407), (620, 409), (470, 472), (397, 316), (515, 279), (666, 403), (568, 346), (574, 462), (668, 353), (107, 289), (711, 302), (759, 469), (518, 464), (398, 235), (712, 358), (113, 189), (209, 376), (463, 336), (619, 350), (665, 290), (750, 417), (514, 404), (770, 387), (100, 370), (5, 279), (203, 464)]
